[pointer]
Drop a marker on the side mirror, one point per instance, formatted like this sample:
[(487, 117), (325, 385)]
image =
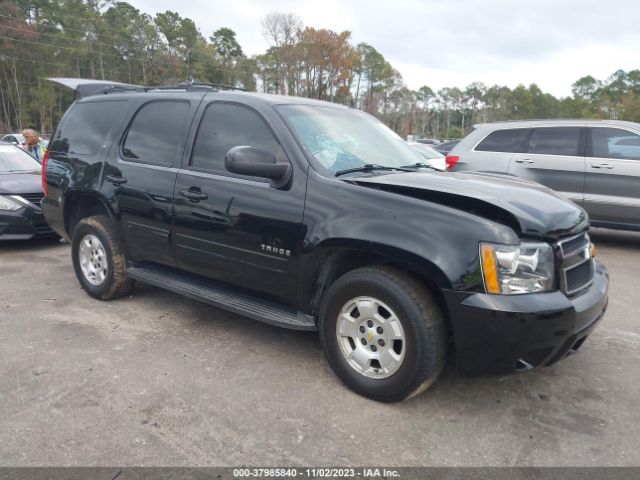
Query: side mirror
[(256, 162)]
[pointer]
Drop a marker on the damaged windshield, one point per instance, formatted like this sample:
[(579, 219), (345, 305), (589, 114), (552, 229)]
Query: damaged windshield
[(342, 139)]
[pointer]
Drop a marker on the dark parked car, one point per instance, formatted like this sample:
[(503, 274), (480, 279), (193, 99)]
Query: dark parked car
[(428, 141), (21, 217), (445, 147), (314, 216), (595, 163)]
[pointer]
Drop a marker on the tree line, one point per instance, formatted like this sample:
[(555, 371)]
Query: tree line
[(107, 39)]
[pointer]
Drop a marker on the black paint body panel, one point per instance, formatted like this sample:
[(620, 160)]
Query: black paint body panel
[(23, 224), (494, 332), (28, 221), (281, 243)]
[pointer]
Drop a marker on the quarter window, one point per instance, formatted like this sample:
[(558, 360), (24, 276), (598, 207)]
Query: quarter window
[(615, 143), (86, 127), (555, 141), (509, 140), (225, 126), (156, 132)]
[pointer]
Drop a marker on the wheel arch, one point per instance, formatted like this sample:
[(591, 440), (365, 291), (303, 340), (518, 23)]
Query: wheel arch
[(335, 257), (79, 205)]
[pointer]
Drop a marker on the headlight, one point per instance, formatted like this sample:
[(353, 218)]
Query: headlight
[(513, 269), (7, 203)]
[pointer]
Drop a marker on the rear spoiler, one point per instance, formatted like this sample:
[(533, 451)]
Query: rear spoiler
[(84, 87)]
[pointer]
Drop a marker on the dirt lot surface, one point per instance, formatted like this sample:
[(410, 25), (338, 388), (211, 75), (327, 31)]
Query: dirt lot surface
[(157, 379)]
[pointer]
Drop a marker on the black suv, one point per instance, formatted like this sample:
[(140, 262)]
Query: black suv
[(314, 216)]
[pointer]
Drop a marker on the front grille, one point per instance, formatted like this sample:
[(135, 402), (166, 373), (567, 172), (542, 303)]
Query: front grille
[(579, 276), (572, 245), (576, 265), (35, 198)]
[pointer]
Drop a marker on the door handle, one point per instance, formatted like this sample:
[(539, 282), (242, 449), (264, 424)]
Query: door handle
[(524, 160), (606, 166), (115, 179), (193, 194)]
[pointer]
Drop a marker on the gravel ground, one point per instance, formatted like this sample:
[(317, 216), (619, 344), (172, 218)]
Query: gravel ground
[(157, 379)]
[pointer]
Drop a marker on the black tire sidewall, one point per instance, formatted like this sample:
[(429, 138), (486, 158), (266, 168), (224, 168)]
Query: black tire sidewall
[(82, 229), (417, 337)]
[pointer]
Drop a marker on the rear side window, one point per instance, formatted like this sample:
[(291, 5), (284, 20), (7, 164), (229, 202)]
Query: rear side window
[(225, 126), (156, 132), (509, 140), (555, 141), (86, 127), (615, 143)]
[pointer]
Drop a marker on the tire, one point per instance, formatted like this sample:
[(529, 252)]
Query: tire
[(415, 335), (96, 238)]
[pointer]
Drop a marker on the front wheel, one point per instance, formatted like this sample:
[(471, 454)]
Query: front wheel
[(99, 258), (383, 333)]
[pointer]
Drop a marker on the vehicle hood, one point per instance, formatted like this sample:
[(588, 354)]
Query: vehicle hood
[(20, 182), (529, 208)]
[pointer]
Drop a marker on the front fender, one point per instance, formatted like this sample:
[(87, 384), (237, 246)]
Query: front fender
[(439, 240)]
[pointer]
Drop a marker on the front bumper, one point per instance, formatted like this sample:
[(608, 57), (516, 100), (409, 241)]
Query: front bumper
[(23, 224), (497, 334)]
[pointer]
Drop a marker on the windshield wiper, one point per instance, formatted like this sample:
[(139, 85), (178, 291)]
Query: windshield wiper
[(370, 167), (421, 165)]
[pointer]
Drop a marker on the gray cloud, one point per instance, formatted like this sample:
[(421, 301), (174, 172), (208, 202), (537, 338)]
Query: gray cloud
[(496, 30), (468, 40)]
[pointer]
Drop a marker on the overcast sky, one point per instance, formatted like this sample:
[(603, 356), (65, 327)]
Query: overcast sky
[(452, 43)]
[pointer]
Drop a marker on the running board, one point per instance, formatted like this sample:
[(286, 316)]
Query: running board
[(224, 298)]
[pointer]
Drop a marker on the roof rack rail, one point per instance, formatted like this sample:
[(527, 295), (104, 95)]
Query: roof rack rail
[(195, 87), (181, 86), (217, 86), (121, 89)]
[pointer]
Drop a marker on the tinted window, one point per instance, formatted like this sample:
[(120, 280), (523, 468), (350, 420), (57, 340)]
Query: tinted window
[(225, 126), (615, 143), (86, 126), (555, 141), (511, 140), (156, 132)]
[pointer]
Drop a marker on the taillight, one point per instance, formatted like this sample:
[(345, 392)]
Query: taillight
[(451, 160), (45, 159)]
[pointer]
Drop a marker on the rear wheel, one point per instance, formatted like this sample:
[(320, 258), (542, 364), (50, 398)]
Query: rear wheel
[(99, 258), (383, 333)]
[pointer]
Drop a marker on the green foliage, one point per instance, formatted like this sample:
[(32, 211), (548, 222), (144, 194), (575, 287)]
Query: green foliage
[(224, 39), (102, 39), (455, 132), (108, 39)]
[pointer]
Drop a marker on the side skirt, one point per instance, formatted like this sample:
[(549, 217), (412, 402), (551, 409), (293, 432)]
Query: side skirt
[(222, 297)]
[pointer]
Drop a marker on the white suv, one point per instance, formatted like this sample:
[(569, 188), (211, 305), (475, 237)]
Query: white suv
[(595, 163)]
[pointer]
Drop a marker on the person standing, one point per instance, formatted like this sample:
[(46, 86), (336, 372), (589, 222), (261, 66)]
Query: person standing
[(33, 145)]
